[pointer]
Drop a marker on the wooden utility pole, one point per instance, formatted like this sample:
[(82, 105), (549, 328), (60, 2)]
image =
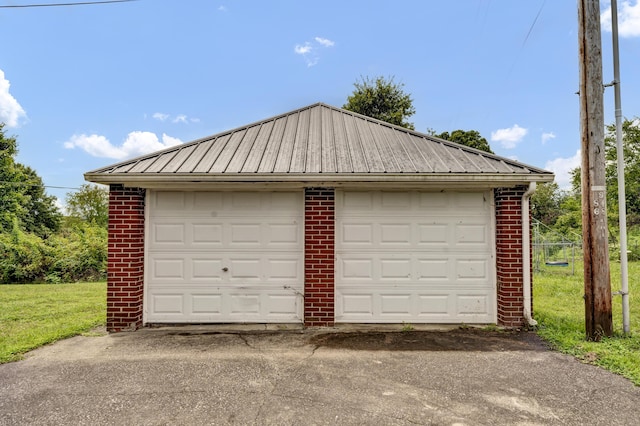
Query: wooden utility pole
[(597, 283)]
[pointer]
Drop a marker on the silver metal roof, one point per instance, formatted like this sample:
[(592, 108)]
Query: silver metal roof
[(318, 143)]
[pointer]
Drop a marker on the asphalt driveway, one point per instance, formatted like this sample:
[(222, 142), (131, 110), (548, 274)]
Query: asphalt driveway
[(212, 375)]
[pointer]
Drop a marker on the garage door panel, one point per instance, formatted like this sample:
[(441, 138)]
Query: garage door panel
[(436, 305), (225, 257), (169, 200), (208, 304), (207, 269), (245, 269), (472, 270), (433, 234), (283, 235), (245, 234), (434, 201), (207, 201), (395, 200), (396, 305), (396, 269), (224, 304), (472, 304), (357, 234), (168, 304), (418, 268), (357, 200), (354, 305), (169, 234), (395, 234), (414, 256), (210, 234), (420, 305), (433, 270), (168, 269), (472, 234), (475, 202)]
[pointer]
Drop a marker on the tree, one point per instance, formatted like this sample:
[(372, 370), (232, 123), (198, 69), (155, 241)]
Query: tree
[(23, 198), (631, 149), (382, 99), (90, 203), (546, 203), (471, 138), (40, 213)]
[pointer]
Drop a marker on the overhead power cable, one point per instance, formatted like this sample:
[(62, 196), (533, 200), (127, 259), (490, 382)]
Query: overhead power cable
[(9, 183), (82, 3)]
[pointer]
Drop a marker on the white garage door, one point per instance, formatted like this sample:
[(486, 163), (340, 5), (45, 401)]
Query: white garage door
[(417, 257), (224, 257)]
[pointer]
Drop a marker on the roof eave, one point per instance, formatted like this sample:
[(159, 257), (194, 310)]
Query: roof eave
[(144, 180)]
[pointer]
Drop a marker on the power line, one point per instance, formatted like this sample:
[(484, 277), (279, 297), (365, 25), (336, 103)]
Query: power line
[(83, 3), (9, 183), (533, 24)]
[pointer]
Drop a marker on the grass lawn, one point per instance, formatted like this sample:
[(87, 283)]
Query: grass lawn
[(559, 309), (32, 315)]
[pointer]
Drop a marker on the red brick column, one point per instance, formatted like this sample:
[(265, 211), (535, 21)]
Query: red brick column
[(125, 270), (509, 265), (319, 257)]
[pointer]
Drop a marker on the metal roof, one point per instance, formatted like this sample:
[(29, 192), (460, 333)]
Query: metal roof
[(318, 143)]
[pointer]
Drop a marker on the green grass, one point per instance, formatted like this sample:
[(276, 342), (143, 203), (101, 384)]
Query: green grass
[(32, 315), (559, 310)]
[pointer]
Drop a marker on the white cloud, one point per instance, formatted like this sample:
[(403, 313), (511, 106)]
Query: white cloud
[(222, 8), (324, 41), (547, 136), (509, 137), (302, 49), (628, 18), (11, 112), (562, 168), (309, 50), (180, 118), (137, 143)]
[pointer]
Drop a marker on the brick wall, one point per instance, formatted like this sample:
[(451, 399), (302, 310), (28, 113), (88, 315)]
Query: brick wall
[(125, 273), (509, 256), (319, 257)]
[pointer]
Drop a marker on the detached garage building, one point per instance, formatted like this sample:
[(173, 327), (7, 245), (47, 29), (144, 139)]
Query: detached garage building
[(319, 216)]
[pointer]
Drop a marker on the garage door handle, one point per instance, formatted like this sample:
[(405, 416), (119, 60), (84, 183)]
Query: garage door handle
[(225, 269)]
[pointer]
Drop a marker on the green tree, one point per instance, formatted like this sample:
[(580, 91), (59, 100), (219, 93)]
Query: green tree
[(22, 194), (471, 138), (40, 215), (547, 202), (382, 99), (90, 203), (631, 149)]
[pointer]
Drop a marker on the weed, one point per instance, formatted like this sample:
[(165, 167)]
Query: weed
[(406, 326)]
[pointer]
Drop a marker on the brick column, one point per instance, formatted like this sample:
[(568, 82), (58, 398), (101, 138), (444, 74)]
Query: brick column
[(319, 257), (509, 265), (125, 270)]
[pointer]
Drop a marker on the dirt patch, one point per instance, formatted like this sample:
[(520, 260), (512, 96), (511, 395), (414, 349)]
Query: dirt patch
[(453, 340)]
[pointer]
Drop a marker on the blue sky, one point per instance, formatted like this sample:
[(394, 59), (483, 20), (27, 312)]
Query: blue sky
[(82, 87)]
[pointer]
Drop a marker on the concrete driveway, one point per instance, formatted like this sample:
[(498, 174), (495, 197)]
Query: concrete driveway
[(215, 375)]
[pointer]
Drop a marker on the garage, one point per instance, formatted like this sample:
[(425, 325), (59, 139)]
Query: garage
[(224, 257), (413, 256), (319, 216)]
